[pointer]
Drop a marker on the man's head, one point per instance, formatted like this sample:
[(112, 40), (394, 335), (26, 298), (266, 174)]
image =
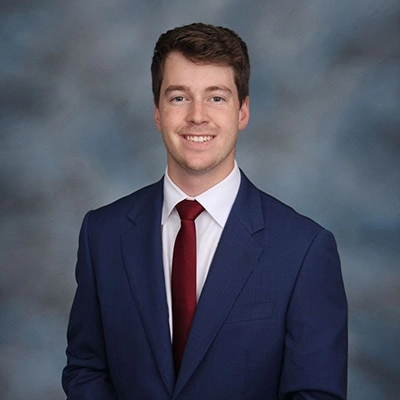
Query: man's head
[(203, 44)]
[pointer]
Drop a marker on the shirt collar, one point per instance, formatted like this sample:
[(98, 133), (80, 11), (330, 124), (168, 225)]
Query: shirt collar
[(217, 201)]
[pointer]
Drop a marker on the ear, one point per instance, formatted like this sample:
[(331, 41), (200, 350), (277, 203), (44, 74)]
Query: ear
[(157, 116), (244, 113)]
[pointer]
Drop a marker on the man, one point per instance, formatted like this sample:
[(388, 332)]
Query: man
[(269, 315)]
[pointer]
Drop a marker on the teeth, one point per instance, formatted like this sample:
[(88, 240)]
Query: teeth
[(199, 139)]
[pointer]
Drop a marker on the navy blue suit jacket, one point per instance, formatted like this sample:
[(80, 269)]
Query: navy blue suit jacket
[(271, 322)]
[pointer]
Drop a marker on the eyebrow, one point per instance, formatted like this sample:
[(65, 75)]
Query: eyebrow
[(219, 89), (176, 88), (182, 88)]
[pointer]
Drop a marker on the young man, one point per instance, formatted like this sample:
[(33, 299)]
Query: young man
[(244, 299)]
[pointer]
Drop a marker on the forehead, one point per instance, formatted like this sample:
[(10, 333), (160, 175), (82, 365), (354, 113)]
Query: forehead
[(178, 67)]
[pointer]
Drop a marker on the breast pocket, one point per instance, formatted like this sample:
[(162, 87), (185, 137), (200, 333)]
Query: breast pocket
[(251, 312)]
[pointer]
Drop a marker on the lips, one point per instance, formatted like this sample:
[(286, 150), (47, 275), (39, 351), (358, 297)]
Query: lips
[(198, 139)]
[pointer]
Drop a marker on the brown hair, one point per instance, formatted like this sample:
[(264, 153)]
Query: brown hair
[(203, 44)]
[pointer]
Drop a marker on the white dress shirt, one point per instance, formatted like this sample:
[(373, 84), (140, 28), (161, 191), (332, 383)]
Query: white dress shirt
[(217, 203)]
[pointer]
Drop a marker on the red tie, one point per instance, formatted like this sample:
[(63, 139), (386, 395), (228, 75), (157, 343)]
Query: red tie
[(183, 282)]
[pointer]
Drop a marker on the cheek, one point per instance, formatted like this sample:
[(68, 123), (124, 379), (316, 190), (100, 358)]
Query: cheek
[(170, 117)]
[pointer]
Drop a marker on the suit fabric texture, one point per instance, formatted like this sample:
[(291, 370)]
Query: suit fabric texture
[(271, 321)]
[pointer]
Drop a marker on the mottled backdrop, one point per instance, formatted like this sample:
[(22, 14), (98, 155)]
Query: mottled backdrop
[(77, 132)]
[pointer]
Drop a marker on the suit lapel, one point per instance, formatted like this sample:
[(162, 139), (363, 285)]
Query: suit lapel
[(142, 254), (235, 258)]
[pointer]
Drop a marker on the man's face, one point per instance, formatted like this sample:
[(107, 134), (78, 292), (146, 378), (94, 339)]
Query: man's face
[(199, 117)]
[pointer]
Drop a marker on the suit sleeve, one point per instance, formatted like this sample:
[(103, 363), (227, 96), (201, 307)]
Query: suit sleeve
[(315, 359), (86, 376)]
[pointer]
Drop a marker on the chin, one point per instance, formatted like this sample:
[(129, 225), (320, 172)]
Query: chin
[(202, 167)]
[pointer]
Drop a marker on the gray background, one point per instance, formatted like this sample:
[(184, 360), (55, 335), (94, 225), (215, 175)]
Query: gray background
[(77, 132)]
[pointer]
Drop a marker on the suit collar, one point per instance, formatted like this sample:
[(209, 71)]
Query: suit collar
[(142, 253), (235, 258), (248, 207)]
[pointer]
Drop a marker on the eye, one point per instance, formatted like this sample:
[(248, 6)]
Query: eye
[(178, 99), (217, 99)]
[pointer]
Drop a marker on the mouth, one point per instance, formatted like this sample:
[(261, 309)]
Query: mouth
[(198, 139)]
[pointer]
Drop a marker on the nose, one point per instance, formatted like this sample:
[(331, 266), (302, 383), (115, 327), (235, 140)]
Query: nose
[(197, 113)]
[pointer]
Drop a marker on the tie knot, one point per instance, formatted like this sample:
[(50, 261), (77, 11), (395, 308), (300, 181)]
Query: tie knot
[(189, 209)]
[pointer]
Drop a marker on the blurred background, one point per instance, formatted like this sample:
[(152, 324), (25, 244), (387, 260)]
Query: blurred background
[(77, 132)]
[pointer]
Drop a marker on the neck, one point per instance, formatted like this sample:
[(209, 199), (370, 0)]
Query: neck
[(194, 184)]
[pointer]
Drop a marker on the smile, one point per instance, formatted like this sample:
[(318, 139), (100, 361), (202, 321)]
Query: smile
[(198, 139)]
